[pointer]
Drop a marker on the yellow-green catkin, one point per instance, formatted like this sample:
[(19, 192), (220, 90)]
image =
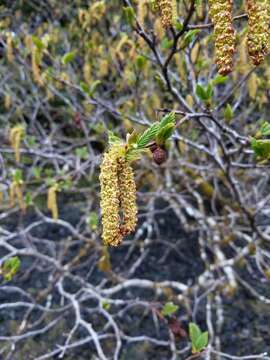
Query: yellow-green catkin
[(258, 29), (166, 12), (52, 201), (110, 198), (127, 188), (221, 14)]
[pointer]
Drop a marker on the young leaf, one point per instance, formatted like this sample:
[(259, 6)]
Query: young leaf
[(148, 135), (201, 342), (265, 129), (92, 220), (68, 57), (190, 36), (164, 133), (228, 112), (94, 87), (167, 119), (261, 148), (201, 93), (140, 62), (114, 139), (209, 91), (169, 308), (194, 333), (39, 44), (10, 268), (129, 15), (219, 79)]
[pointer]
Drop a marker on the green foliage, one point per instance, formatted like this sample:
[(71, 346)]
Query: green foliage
[(90, 90), (10, 268), (92, 220), (199, 339), (228, 112), (204, 93), (82, 153), (68, 57), (148, 135), (169, 309), (129, 15), (190, 35), (114, 139), (261, 148), (219, 79)]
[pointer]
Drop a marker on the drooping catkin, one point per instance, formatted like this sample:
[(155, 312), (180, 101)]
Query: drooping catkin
[(10, 55), (258, 29), (221, 14), (52, 201), (166, 12), (127, 189), (118, 196), (15, 137), (110, 201)]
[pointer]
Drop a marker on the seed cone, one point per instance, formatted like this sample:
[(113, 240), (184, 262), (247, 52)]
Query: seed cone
[(258, 34), (110, 202), (166, 12), (127, 188), (224, 34)]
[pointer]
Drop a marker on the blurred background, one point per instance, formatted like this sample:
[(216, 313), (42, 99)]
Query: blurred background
[(70, 71)]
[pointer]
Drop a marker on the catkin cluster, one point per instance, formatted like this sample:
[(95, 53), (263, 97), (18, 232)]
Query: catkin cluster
[(118, 197), (258, 34), (166, 9), (220, 12)]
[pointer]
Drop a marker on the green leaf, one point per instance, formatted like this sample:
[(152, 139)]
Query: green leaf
[(148, 135), (167, 119), (194, 332), (28, 199), (219, 79), (94, 86), (179, 26), (228, 112), (82, 153), (132, 138), (166, 43), (18, 178), (10, 268), (201, 93), (261, 148), (92, 220), (39, 44), (209, 91), (68, 57), (201, 342), (114, 139), (106, 305), (190, 36), (129, 15), (265, 129), (140, 62), (169, 308), (135, 154), (165, 133), (85, 88), (36, 172)]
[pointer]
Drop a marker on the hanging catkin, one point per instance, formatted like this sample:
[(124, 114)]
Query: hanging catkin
[(110, 202), (118, 197), (166, 12), (224, 34), (127, 188), (258, 29)]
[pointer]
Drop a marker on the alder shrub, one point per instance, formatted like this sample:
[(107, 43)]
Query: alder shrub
[(134, 179)]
